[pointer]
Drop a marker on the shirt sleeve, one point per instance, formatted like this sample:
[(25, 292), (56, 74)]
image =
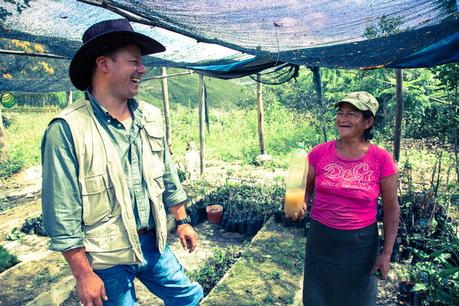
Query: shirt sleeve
[(174, 193), (61, 197), (388, 165), (314, 155)]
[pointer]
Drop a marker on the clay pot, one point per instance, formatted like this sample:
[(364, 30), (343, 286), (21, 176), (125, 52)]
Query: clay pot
[(214, 213)]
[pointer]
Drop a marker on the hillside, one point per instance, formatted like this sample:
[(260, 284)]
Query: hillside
[(184, 90)]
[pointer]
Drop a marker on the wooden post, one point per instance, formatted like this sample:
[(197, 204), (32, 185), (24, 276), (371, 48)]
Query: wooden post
[(318, 82), (398, 113), (167, 115), (69, 97), (202, 126), (261, 140), (3, 147)]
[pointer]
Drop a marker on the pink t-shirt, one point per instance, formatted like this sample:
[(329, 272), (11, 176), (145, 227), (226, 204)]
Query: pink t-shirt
[(346, 191)]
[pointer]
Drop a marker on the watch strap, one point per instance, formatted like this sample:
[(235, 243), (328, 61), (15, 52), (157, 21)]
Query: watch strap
[(186, 220)]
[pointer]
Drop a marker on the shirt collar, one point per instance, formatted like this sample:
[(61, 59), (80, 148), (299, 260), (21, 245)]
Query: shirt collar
[(102, 112)]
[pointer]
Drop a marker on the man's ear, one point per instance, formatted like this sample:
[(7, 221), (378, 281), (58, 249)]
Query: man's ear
[(102, 63)]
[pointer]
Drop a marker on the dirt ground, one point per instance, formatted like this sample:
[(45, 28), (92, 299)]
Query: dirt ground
[(19, 199)]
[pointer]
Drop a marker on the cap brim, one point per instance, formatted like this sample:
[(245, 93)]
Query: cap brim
[(82, 63)]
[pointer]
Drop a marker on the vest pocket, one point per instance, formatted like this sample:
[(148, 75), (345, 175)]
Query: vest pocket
[(95, 192), (155, 137)]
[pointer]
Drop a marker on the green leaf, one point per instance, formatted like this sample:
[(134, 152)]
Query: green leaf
[(419, 287)]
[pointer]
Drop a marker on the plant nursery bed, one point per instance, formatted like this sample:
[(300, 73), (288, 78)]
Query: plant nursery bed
[(268, 273)]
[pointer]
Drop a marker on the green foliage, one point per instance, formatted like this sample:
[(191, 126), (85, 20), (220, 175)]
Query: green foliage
[(24, 136), (437, 278), (245, 202), (6, 259), (15, 234), (9, 167), (214, 267)]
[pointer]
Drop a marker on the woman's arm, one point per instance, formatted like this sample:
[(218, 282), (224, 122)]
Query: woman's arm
[(391, 220)]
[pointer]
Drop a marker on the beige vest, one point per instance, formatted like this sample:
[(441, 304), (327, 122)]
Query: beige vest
[(108, 215)]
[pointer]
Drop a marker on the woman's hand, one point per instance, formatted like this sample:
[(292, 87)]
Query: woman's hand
[(297, 215), (382, 263)]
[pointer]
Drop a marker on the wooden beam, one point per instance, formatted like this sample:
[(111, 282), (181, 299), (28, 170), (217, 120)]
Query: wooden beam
[(202, 125), (398, 113), (167, 115), (36, 54), (261, 140), (167, 76)]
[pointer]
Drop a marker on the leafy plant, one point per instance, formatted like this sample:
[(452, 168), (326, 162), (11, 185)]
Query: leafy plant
[(9, 167), (213, 268), (437, 278), (7, 260), (15, 235)]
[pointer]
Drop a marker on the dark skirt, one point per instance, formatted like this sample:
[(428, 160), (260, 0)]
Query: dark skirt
[(337, 266)]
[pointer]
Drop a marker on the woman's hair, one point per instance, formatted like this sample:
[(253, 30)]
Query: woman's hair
[(368, 133)]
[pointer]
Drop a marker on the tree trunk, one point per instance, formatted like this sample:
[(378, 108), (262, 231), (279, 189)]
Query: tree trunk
[(398, 113), (167, 115), (3, 146), (202, 124), (260, 115)]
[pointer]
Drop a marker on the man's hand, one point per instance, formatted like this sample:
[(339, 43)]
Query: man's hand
[(90, 290), (382, 263), (298, 215), (187, 236)]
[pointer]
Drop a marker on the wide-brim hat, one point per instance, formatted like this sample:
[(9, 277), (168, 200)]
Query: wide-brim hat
[(102, 38), (362, 100)]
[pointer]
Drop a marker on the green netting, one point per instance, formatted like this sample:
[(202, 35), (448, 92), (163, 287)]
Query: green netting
[(222, 34)]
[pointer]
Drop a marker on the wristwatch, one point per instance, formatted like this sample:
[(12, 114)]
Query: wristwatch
[(187, 220)]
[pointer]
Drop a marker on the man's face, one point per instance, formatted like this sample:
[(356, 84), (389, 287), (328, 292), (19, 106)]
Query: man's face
[(125, 69)]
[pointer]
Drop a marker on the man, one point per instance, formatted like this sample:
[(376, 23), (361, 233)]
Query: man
[(107, 177)]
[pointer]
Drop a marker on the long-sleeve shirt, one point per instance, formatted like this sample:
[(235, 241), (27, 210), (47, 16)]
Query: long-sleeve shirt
[(61, 196)]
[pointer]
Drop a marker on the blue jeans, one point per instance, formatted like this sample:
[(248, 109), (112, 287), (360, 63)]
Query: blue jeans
[(162, 274)]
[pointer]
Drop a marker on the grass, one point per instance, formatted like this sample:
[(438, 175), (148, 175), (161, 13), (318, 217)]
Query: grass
[(24, 136)]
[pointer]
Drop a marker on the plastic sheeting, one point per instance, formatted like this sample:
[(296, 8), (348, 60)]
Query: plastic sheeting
[(231, 38)]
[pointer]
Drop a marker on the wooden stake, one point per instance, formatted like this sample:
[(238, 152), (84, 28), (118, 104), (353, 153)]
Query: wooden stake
[(167, 115), (3, 146), (69, 97), (202, 126), (260, 115), (398, 113)]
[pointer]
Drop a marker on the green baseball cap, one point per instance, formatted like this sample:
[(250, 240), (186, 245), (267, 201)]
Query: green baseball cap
[(362, 100)]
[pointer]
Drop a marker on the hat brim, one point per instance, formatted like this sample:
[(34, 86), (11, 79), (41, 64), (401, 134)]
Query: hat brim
[(83, 61), (355, 103)]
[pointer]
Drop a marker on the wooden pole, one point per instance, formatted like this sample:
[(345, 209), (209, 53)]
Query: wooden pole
[(69, 96), (318, 82), (398, 113), (167, 115), (202, 126), (261, 140)]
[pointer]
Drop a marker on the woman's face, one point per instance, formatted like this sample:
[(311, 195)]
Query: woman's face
[(350, 121)]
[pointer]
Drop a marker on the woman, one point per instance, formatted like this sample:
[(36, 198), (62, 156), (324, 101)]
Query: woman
[(346, 176)]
